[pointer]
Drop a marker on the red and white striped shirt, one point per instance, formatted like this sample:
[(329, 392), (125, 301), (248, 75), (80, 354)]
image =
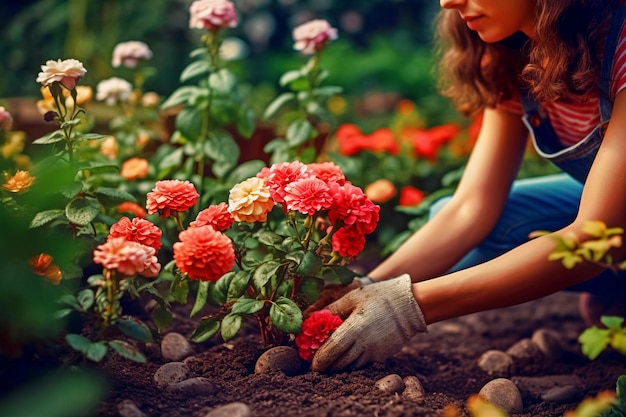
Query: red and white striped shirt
[(572, 122)]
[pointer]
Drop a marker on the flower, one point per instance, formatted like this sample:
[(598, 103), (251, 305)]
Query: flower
[(212, 15), (6, 120), (127, 257), (203, 253), (171, 195), (217, 216), (278, 176), (130, 207), (312, 36), (315, 330), (66, 72), (109, 147), (348, 241), (134, 168), (129, 54), (114, 90), (426, 142), (42, 265), (327, 171), (352, 207), (308, 196), (410, 196), (137, 230), (380, 191), (250, 201), (352, 141), (18, 183)]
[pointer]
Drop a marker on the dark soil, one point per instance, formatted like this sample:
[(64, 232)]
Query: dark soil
[(444, 360)]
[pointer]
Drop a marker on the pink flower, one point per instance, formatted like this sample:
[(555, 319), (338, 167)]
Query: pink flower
[(171, 195), (130, 207), (308, 196), (348, 241), (138, 230), (217, 216), (250, 201), (312, 36), (328, 172), (6, 120), (129, 258), (114, 90), (212, 15), (352, 207), (129, 54), (67, 72), (203, 253), (278, 176), (315, 330)]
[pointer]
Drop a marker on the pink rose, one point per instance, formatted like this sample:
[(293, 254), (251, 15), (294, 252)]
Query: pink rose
[(129, 54), (312, 36), (212, 15)]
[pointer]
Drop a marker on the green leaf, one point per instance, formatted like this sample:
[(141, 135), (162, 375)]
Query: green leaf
[(263, 273), (594, 341), (246, 122), (133, 328), (289, 77), (246, 170), (277, 104), (310, 265), (206, 329), (162, 318), (247, 306), (286, 315), (128, 351), (90, 136), (82, 210), (96, 351), (268, 238), (201, 298), (110, 196), (222, 147), (327, 91), (78, 342), (85, 299), (339, 274), (182, 95), (238, 285), (189, 123), (299, 132), (71, 189), (612, 322), (173, 160), (218, 291), (223, 81), (231, 323), (195, 69), (179, 289), (44, 217), (311, 288), (52, 137)]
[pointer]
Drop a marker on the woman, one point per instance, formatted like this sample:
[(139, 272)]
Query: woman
[(555, 69)]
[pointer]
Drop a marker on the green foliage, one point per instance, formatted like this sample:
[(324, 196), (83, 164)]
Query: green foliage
[(595, 340)]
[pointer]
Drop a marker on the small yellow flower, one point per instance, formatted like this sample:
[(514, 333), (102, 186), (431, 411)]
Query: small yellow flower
[(19, 183)]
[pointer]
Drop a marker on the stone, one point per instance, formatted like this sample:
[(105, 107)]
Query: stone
[(280, 358), (127, 408), (235, 409), (525, 350), (413, 389), (536, 386), (496, 363), (391, 383), (548, 342), (171, 373), (198, 386), (175, 347), (503, 393), (562, 395)]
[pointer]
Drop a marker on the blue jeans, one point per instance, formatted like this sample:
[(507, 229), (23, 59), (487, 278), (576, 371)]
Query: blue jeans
[(542, 203)]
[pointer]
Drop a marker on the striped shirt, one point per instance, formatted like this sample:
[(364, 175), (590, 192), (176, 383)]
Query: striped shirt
[(572, 122)]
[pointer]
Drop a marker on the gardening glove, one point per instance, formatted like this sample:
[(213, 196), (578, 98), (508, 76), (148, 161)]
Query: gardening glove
[(381, 318)]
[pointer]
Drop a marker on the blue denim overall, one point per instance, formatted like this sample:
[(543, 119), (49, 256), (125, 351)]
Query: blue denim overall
[(551, 202)]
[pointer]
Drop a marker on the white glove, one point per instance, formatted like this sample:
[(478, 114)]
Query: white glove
[(381, 318)]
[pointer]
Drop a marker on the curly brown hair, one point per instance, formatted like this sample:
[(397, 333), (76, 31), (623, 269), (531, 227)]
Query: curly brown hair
[(476, 74)]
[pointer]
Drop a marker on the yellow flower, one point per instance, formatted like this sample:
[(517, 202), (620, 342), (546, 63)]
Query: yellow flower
[(18, 183), (250, 201), (13, 145)]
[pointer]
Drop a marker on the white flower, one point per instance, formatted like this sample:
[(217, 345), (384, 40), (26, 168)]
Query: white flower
[(114, 90), (129, 53), (67, 72)]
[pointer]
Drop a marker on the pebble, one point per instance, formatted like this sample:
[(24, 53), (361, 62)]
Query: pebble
[(503, 393), (127, 408), (496, 363), (525, 350), (236, 409), (391, 383), (537, 386), (561, 395), (548, 342), (413, 389), (171, 373), (279, 358), (175, 347), (198, 386)]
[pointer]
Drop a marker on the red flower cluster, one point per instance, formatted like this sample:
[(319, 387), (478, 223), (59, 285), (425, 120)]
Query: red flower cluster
[(427, 142), (138, 230), (203, 253), (315, 330), (171, 195), (352, 141)]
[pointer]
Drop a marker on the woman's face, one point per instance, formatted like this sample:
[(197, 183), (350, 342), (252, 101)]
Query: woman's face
[(495, 20)]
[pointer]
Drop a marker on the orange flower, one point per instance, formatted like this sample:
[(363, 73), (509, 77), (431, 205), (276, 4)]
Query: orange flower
[(108, 147), (380, 191), (134, 168), (250, 201), (171, 195), (42, 265), (410, 196), (203, 253), (19, 183), (130, 207), (129, 258)]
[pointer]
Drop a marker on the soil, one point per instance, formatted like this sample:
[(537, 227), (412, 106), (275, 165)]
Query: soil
[(444, 360)]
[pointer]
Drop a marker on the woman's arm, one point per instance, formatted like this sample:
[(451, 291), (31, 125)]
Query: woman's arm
[(473, 210), (525, 273)]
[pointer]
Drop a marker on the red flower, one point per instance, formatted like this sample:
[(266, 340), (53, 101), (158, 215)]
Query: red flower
[(348, 241), (426, 142), (279, 176), (217, 216), (171, 195), (410, 196), (130, 207), (328, 172), (308, 196), (352, 207), (129, 258), (351, 140), (138, 230), (204, 253), (315, 330)]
